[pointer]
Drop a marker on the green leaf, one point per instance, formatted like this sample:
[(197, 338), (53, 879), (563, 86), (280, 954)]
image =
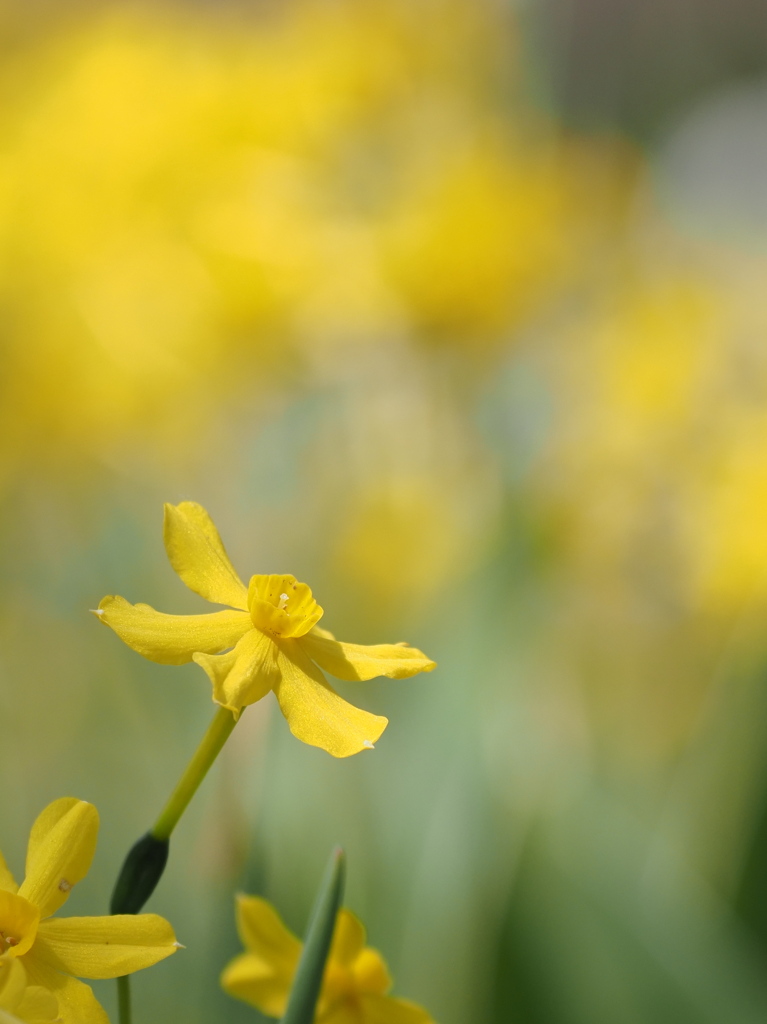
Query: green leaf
[(311, 967)]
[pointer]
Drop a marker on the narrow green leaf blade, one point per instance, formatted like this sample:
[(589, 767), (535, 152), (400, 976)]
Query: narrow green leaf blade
[(308, 980)]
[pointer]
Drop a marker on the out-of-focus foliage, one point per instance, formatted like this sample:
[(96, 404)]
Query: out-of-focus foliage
[(325, 268)]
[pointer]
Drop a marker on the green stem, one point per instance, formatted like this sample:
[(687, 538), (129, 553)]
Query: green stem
[(218, 733), (123, 999)]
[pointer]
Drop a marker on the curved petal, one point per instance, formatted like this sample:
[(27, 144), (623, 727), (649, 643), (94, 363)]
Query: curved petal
[(315, 713), (77, 1003), (61, 847), (7, 881), (196, 553), (244, 675), (343, 1012), (353, 662), (172, 639), (370, 972), (38, 1006), (104, 947), (263, 975), (348, 938), (248, 978), (264, 934), (386, 1010), (13, 981)]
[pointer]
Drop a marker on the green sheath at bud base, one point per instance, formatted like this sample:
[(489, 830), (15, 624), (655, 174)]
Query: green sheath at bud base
[(140, 874)]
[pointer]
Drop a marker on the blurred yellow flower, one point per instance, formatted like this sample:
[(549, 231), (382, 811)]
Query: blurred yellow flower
[(61, 847), (356, 981), (271, 628), (20, 1002)]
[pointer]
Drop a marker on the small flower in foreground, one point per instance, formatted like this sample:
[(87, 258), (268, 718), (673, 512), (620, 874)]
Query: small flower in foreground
[(21, 1003), (354, 986), (52, 949), (272, 627)]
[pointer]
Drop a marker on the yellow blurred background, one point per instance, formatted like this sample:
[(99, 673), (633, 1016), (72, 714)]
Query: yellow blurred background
[(491, 379)]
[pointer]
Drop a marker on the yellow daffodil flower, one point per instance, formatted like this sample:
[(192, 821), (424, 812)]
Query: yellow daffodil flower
[(21, 1003), (271, 628), (52, 949), (354, 987)]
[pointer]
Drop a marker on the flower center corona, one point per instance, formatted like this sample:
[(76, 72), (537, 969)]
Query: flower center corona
[(18, 924), (281, 606)]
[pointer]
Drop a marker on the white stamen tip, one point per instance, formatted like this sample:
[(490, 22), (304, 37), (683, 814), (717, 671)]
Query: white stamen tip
[(283, 597), (368, 744)]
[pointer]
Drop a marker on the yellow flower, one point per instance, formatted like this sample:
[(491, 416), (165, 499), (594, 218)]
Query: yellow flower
[(354, 986), (271, 626), (21, 1003), (52, 949)]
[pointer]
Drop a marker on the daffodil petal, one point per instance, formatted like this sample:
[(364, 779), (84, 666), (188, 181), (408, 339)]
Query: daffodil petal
[(348, 938), (386, 1010), (249, 978), (370, 972), (354, 662), (263, 975), (38, 1006), (104, 947), (13, 981), (77, 1003), (342, 1013), (10, 1018), (7, 881), (172, 639), (264, 934), (60, 851), (314, 711), (244, 675), (197, 554)]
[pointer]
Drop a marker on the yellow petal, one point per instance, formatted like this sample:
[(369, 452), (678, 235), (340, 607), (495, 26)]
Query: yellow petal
[(38, 1006), (104, 947), (172, 639), (198, 556), (244, 675), (248, 978), (348, 938), (385, 1010), (370, 972), (18, 922), (7, 881), (13, 981), (353, 662), (263, 975), (60, 851), (77, 1003), (343, 1012), (315, 713), (263, 933)]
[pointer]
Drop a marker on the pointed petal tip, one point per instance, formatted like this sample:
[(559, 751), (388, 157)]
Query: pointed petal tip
[(96, 611), (179, 945), (368, 744)]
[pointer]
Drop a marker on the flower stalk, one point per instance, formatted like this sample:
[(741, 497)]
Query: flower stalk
[(219, 731), (145, 863)]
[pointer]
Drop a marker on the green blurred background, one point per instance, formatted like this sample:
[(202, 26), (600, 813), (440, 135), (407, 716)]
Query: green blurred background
[(455, 310)]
